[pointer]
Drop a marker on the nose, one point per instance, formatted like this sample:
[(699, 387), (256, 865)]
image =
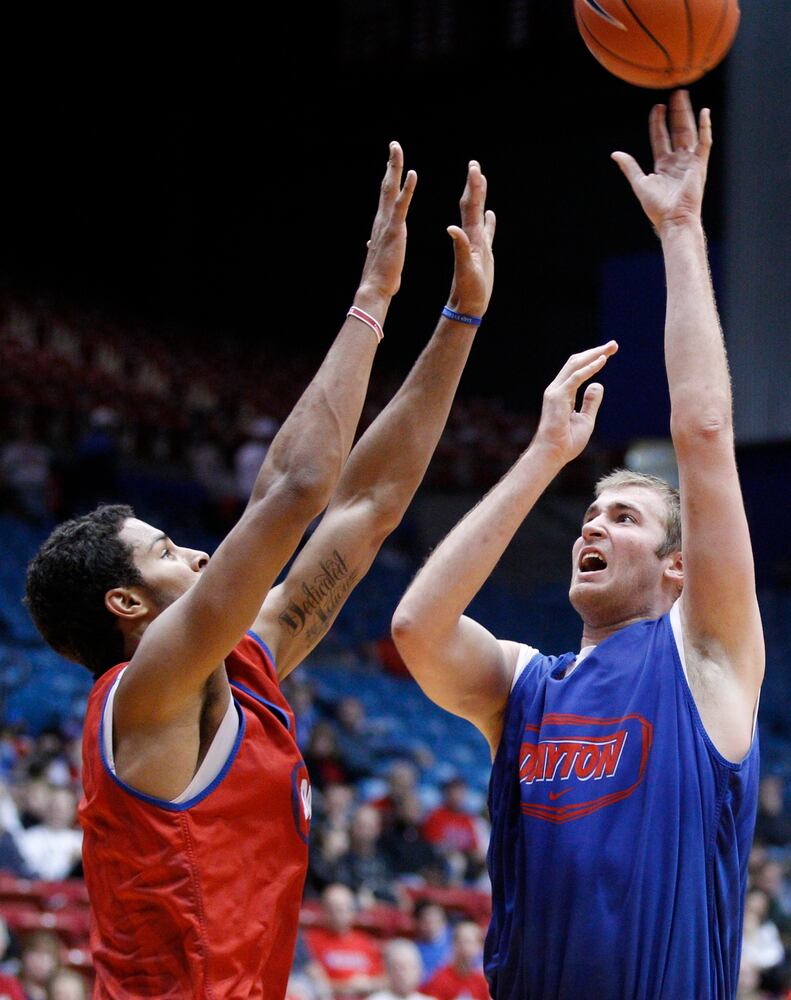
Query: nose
[(592, 530), (199, 561)]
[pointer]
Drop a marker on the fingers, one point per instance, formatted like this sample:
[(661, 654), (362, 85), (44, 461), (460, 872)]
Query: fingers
[(490, 224), (657, 130), (629, 167), (589, 361), (473, 198), (391, 182), (683, 129), (461, 246), (704, 133), (591, 401), (404, 198)]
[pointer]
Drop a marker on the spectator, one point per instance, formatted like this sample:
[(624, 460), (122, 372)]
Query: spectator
[(434, 937), (301, 698), (409, 854), (404, 972), (25, 468), (250, 455), (401, 782), (336, 807), (53, 848), (350, 958), (356, 738), (455, 833), (462, 977), (326, 850), (761, 944), (34, 795), (450, 826), (67, 985), (770, 877), (11, 859), (39, 963), (365, 867), (773, 824), (323, 759), (307, 981)]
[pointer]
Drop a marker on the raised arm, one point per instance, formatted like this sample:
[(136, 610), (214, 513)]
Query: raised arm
[(189, 640), (722, 628), (390, 460), (458, 663)]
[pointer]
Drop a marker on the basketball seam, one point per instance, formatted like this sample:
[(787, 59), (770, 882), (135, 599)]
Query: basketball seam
[(620, 58), (653, 38), (713, 40), (690, 33)]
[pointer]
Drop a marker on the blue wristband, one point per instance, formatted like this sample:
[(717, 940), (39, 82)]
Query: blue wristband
[(461, 317)]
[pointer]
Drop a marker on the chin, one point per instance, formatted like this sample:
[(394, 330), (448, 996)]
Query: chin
[(593, 604)]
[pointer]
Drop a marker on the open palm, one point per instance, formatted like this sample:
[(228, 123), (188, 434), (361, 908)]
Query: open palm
[(674, 191)]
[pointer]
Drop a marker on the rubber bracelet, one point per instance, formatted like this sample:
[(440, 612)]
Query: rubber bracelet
[(448, 313), (368, 319)]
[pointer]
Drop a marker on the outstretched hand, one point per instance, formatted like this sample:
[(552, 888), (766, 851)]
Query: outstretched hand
[(473, 275), (562, 428), (673, 193), (387, 245)]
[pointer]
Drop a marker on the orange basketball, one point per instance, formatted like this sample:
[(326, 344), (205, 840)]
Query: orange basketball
[(658, 43)]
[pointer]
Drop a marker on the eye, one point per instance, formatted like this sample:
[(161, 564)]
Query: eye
[(627, 517), (166, 553)]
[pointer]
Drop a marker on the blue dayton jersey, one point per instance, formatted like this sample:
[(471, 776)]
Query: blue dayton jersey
[(620, 835)]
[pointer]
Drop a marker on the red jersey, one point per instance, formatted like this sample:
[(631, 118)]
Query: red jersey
[(200, 899), (344, 956), (454, 831), (448, 984), (10, 988)]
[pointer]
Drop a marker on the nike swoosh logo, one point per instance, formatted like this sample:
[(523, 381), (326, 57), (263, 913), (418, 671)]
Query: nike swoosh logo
[(556, 795)]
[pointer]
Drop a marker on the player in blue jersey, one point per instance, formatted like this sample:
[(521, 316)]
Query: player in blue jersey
[(624, 783)]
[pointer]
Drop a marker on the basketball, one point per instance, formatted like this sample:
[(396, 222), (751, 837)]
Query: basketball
[(658, 43)]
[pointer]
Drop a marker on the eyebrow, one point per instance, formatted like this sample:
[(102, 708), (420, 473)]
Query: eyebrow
[(616, 505), (159, 538)]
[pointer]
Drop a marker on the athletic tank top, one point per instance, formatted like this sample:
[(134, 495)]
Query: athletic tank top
[(620, 836), (200, 899)]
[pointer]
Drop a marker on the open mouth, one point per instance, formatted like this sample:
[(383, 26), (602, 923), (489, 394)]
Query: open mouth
[(592, 562)]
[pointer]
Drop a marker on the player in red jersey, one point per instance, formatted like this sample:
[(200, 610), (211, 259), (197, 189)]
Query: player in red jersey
[(197, 801)]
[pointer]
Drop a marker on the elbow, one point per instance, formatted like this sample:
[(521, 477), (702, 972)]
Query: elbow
[(303, 492), (406, 631), (309, 488), (713, 426)]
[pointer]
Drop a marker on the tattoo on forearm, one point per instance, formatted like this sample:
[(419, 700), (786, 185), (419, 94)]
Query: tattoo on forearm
[(312, 608)]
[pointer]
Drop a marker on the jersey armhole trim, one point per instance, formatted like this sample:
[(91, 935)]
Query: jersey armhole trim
[(268, 652), (526, 654), (164, 803), (276, 710)]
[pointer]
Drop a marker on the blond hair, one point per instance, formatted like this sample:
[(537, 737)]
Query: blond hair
[(670, 497)]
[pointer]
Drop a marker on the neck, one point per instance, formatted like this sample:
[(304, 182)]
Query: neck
[(592, 634)]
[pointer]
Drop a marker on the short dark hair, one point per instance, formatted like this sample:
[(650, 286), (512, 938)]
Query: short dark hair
[(67, 580)]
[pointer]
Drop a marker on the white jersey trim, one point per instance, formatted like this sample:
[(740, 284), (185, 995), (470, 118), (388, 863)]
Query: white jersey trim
[(214, 761), (526, 654)]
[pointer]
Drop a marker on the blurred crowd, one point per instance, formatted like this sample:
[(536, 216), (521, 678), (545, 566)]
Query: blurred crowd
[(82, 397)]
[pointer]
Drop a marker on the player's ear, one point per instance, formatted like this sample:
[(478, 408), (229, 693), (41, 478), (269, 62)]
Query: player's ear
[(674, 571), (126, 603)]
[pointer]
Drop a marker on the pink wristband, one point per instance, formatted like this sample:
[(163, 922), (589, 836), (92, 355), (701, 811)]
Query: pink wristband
[(368, 319)]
